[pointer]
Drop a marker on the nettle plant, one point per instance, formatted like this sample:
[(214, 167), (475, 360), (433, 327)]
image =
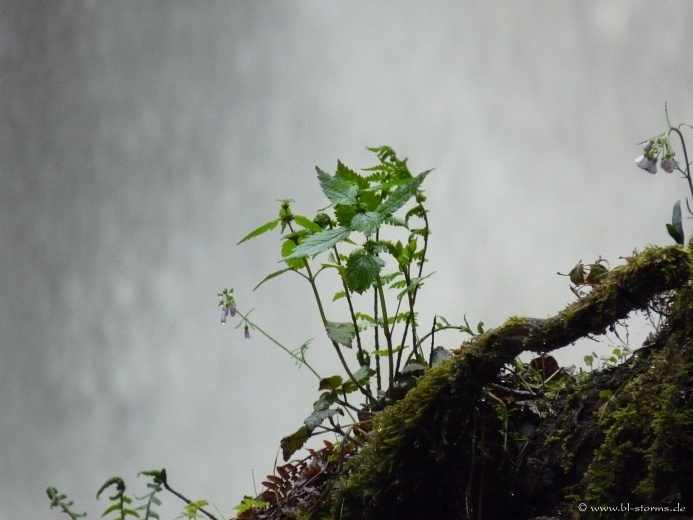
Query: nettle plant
[(373, 237)]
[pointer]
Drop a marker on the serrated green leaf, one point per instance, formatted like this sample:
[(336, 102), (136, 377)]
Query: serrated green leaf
[(367, 222), (330, 383), (675, 229), (399, 284), (110, 509), (338, 295), (401, 195), (394, 221), (316, 418), (387, 278), (394, 249), (111, 481), (415, 284), (416, 211), (319, 242), (294, 442), (344, 213), (250, 503), (341, 333), (306, 223), (362, 269), (288, 247), (338, 190), (391, 183), (365, 317), (369, 200), (273, 275), (344, 173), (363, 374), (325, 400), (269, 226)]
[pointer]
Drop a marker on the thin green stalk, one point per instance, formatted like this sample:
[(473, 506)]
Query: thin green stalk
[(297, 358), (311, 280), (376, 342), (351, 305), (687, 174), (387, 333)]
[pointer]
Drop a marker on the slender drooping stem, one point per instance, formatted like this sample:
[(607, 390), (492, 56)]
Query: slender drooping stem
[(301, 360), (687, 173)]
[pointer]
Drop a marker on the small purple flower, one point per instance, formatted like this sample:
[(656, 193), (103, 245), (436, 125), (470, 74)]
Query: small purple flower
[(669, 164), (246, 333), (228, 311), (648, 146), (647, 164)]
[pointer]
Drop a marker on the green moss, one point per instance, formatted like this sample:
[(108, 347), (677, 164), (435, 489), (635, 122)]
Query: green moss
[(439, 452), (647, 454)]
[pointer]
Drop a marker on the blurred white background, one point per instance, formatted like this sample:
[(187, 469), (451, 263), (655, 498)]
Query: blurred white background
[(140, 141)]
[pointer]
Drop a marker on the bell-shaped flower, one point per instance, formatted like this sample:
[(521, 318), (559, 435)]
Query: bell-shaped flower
[(229, 310), (669, 164), (647, 164)]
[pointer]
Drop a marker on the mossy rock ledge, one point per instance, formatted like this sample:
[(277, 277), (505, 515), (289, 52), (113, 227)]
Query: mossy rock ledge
[(618, 437)]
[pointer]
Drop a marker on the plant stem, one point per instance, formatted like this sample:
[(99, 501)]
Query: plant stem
[(387, 333), (685, 158), (299, 359), (351, 305), (187, 501), (376, 342), (311, 280)]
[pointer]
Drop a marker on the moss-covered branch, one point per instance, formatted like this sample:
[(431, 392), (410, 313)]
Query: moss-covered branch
[(425, 449)]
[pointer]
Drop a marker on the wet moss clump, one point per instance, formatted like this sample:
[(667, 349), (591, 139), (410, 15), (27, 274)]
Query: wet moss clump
[(647, 453)]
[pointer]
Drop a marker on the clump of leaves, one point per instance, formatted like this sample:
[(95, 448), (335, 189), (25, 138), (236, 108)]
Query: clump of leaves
[(373, 238), (297, 483), (249, 507), (351, 238), (585, 277), (192, 510)]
